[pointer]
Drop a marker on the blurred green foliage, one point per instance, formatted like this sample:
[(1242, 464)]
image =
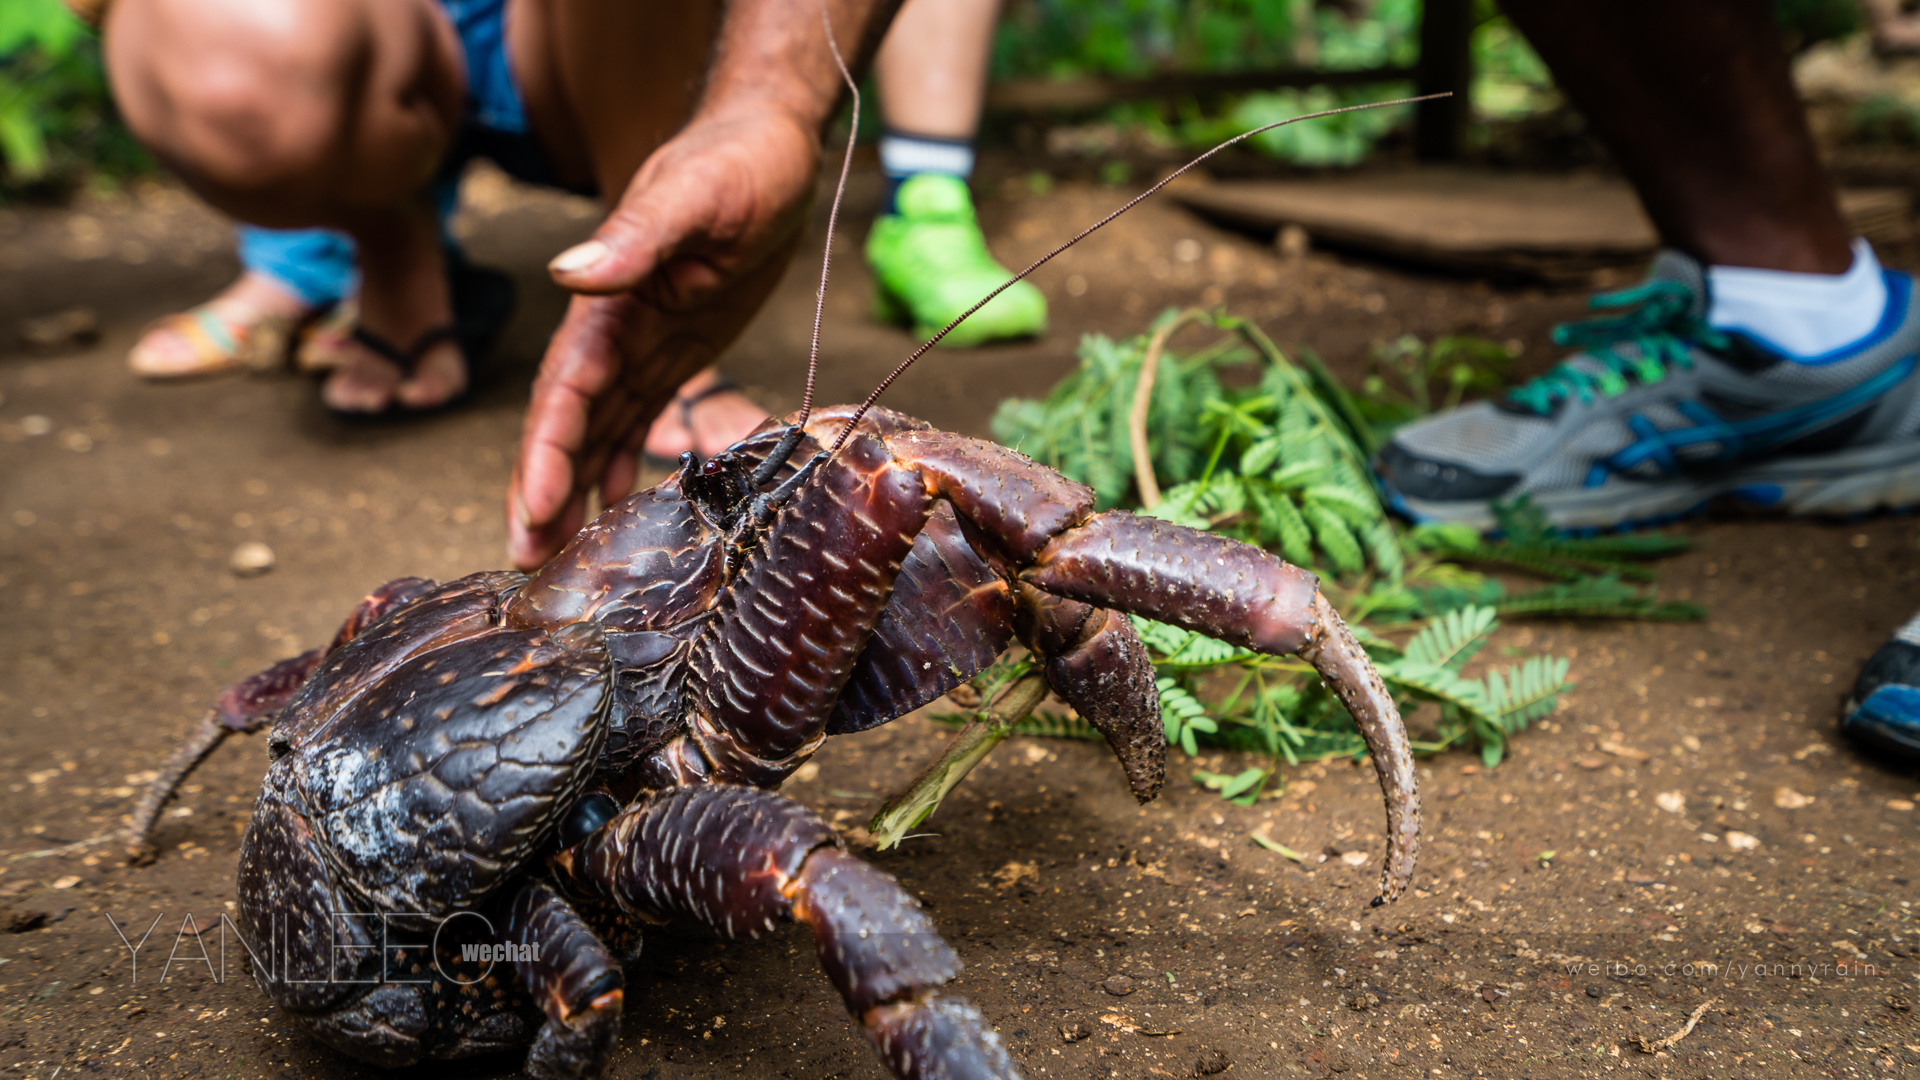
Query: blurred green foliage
[(58, 127), (1809, 22), (1064, 38)]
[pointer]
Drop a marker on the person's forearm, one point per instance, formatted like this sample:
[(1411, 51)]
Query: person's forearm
[(774, 53)]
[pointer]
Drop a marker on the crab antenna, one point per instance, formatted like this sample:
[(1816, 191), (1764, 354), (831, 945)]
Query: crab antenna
[(784, 448), (1089, 231), (833, 215)]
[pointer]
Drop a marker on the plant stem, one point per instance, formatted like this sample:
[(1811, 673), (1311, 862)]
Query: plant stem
[(970, 747), (1142, 396)]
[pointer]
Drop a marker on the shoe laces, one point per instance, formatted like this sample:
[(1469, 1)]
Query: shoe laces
[(1655, 333)]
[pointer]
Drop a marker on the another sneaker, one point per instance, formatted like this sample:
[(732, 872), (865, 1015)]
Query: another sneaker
[(1660, 413), (931, 264), (1884, 709)]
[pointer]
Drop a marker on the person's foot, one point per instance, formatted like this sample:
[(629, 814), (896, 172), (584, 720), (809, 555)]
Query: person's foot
[(404, 300), (247, 325), (323, 343), (1883, 711), (1660, 413), (930, 264), (707, 415)]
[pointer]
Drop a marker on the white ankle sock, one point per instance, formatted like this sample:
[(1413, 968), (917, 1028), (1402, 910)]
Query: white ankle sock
[(1801, 315)]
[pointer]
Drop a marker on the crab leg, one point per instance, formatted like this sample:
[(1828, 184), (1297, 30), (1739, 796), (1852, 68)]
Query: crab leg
[(574, 978), (738, 858)]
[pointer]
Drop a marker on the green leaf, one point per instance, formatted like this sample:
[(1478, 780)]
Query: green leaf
[(22, 142), (1283, 521), (1260, 457), (1299, 475), (1334, 537), (1521, 521), (1491, 751), (1442, 685), (1526, 692), (1242, 787), (1276, 847), (1450, 640), (1357, 508), (43, 24)]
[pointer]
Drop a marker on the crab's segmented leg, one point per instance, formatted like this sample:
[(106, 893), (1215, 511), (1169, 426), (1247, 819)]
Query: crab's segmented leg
[(575, 979), (738, 858)]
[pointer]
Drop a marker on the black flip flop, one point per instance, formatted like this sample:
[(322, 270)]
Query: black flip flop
[(482, 302), (721, 385)]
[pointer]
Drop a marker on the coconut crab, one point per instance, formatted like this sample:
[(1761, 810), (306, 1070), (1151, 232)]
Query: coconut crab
[(523, 771)]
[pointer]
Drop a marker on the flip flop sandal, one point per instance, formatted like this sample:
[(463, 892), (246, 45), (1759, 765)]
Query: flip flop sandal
[(482, 302), (720, 385), (321, 341), (218, 346)]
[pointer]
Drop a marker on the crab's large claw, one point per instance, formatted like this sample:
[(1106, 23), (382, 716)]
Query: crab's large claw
[(1042, 526)]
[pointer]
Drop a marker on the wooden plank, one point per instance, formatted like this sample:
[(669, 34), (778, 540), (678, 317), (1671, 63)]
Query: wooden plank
[(1553, 228), (1091, 94)]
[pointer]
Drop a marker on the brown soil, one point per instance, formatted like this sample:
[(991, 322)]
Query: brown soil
[(119, 622)]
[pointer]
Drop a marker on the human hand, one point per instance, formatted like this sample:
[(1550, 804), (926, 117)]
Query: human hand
[(698, 240)]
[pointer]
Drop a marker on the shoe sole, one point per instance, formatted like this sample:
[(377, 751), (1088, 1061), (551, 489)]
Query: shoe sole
[(1839, 484), (1883, 721)]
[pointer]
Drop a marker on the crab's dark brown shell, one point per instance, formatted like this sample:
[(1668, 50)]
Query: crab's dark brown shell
[(429, 784)]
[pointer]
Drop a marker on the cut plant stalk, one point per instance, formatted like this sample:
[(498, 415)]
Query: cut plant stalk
[(989, 728)]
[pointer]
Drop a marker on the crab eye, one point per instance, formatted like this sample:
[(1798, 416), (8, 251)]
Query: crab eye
[(586, 817)]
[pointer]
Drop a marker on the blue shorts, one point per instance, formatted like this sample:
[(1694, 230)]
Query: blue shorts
[(318, 265)]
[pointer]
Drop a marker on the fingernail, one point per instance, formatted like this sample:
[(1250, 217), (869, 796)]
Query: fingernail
[(578, 257)]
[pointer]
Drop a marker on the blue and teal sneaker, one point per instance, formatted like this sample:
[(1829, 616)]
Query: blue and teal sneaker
[(1659, 414), (1883, 711)]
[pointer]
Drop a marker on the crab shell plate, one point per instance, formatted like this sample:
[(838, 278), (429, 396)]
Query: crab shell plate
[(427, 786)]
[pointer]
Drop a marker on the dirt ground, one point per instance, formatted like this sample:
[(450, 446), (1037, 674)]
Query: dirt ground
[(1593, 891)]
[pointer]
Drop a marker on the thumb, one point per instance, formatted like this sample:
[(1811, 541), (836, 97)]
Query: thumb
[(624, 250)]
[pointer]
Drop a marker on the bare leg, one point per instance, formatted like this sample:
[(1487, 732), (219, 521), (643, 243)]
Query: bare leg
[(932, 67), (1696, 102), (312, 112)]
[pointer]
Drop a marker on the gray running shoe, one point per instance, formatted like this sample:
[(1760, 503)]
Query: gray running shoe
[(1659, 414)]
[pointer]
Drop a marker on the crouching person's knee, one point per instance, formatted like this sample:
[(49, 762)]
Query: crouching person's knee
[(248, 100)]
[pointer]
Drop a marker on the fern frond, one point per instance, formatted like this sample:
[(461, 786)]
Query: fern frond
[(1527, 692), (1356, 506), (1450, 640), (1342, 550), (1439, 684), (1283, 519)]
